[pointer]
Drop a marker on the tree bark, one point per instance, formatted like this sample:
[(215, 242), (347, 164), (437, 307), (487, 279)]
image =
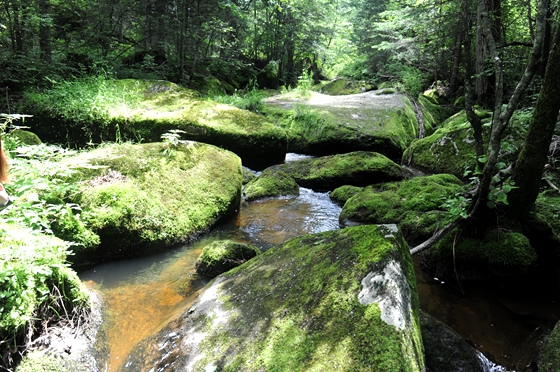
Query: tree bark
[(501, 117), (532, 159)]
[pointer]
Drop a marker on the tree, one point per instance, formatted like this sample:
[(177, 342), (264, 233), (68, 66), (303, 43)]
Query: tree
[(530, 164)]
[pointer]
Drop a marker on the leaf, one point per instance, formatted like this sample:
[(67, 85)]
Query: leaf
[(482, 159)]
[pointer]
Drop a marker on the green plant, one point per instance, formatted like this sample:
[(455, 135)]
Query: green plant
[(304, 85), (172, 139), (249, 98)]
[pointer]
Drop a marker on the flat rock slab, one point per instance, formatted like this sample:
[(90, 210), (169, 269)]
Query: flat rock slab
[(369, 121), (341, 300)]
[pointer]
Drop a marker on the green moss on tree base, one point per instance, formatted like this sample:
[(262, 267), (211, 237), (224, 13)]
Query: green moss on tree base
[(498, 248)]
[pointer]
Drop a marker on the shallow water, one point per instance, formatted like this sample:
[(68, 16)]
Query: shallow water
[(143, 294)]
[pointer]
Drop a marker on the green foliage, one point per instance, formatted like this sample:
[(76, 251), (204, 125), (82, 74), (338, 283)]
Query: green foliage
[(248, 99), (86, 105), (407, 78), (36, 283), (304, 85), (41, 186)]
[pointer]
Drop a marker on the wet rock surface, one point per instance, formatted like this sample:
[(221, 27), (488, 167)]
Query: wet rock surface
[(310, 303)]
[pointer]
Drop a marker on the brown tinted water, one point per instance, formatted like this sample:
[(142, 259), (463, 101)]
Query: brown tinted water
[(143, 294)]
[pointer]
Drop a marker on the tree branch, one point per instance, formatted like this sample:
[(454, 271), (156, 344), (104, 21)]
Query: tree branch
[(435, 238)]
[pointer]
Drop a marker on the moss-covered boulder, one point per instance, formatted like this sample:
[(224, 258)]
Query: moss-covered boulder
[(359, 168), (416, 205), (147, 197), (433, 114), (24, 137), (445, 350), (325, 125), (95, 110), (341, 300), (223, 255), (549, 355), (271, 183), (341, 194), (451, 148), (248, 175)]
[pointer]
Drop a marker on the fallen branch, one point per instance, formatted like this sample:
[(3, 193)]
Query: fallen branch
[(435, 238)]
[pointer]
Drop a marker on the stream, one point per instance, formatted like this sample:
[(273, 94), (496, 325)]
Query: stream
[(142, 294)]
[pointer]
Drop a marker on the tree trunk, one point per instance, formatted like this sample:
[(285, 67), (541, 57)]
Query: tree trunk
[(501, 116), (45, 30), (532, 159)]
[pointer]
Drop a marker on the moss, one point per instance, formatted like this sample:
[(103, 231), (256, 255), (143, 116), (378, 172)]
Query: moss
[(499, 248), (549, 355), (341, 194), (434, 114), (386, 125), (451, 148), (248, 175), (150, 109), (271, 183), (25, 137), (359, 168), (304, 313), (169, 195), (386, 91), (548, 210), (41, 363), (415, 204), (340, 87), (221, 256)]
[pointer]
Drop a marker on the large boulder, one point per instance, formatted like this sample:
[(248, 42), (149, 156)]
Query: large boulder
[(445, 350), (140, 199), (138, 109), (451, 148), (359, 168), (549, 355), (325, 125), (271, 183), (341, 300), (416, 205)]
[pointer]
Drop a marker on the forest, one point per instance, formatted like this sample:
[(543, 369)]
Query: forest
[(495, 61)]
